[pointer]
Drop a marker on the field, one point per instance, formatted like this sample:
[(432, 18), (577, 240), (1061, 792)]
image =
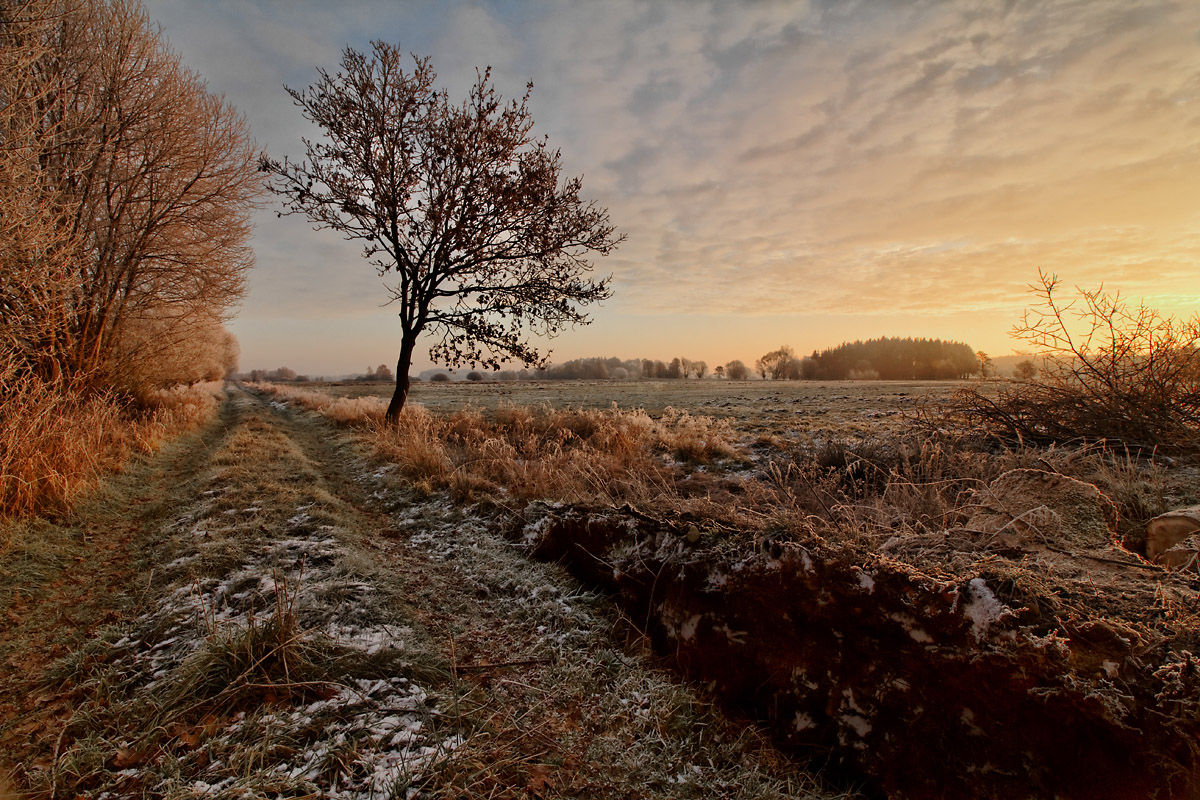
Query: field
[(782, 408), (662, 589)]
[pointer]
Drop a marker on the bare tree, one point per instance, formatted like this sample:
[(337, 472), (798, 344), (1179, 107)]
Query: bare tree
[(737, 371), (457, 204), (700, 368), (127, 189), (775, 363)]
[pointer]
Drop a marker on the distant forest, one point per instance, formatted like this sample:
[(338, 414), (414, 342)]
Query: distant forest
[(892, 358), (889, 359), (896, 359)]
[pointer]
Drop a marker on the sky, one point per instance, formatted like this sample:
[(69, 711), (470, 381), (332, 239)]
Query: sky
[(799, 173)]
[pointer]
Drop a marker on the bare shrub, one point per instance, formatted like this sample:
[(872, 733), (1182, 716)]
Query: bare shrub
[(1108, 371)]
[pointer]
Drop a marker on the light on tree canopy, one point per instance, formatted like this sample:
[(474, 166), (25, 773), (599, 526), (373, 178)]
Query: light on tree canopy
[(460, 209)]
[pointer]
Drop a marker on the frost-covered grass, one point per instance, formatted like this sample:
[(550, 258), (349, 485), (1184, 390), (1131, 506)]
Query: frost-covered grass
[(314, 627), (849, 460), (563, 690), (268, 663)]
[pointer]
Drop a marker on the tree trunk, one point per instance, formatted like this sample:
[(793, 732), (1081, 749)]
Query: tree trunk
[(403, 363)]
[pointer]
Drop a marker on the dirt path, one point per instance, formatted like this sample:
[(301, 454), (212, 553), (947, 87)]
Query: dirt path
[(260, 611)]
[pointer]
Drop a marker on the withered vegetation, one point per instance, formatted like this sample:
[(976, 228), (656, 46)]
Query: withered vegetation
[(956, 538), (125, 193), (1107, 371)]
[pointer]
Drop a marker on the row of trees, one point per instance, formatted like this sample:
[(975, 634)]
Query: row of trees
[(126, 188), (876, 359)]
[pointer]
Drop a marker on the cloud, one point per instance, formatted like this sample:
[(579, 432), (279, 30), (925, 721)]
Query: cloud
[(781, 157)]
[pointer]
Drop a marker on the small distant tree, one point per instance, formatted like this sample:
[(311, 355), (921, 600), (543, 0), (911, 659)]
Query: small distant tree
[(719, 371), (440, 377), (700, 368), (383, 373), (1025, 370), (459, 205), (774, 364), (474, 376), (985, 364), (737, 371)]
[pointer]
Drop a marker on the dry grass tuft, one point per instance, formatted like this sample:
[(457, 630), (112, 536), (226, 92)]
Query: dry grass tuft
[(269, 658), (55, 443)]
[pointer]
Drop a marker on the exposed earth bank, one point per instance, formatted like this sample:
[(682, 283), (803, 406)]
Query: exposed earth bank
[(1008, 659)]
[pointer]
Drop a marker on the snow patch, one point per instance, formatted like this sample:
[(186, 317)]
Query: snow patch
[(982, 608)]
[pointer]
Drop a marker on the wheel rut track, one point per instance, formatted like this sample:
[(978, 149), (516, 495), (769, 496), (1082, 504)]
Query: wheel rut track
[(552, 693)]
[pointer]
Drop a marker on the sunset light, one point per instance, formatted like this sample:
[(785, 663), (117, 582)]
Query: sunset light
[(786, 171)]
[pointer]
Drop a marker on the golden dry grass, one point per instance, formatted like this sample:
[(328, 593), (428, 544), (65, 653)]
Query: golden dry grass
[(55, 443), (523, 453)]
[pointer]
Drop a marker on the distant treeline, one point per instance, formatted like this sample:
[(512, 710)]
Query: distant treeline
[(613, 369), (888, 359), (892, 358), (895, 359)]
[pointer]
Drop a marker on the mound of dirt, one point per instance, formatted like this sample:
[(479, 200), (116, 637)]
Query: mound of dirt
[(971, 663), (1030, 505)]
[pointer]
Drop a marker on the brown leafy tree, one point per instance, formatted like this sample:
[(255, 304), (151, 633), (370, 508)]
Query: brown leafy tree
[(985, 364), (459, 208), (125, 192)]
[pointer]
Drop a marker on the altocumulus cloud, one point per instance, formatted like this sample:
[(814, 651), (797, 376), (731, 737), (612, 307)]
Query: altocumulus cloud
[(780, 156)]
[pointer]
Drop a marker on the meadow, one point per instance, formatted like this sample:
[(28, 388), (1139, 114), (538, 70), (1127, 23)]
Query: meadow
[(781, 408), (858, 566)]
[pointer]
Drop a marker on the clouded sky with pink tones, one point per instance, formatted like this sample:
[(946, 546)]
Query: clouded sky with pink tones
[(786, 172)]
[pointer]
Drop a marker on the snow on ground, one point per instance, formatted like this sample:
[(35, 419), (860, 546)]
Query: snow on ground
[(352, 737)]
